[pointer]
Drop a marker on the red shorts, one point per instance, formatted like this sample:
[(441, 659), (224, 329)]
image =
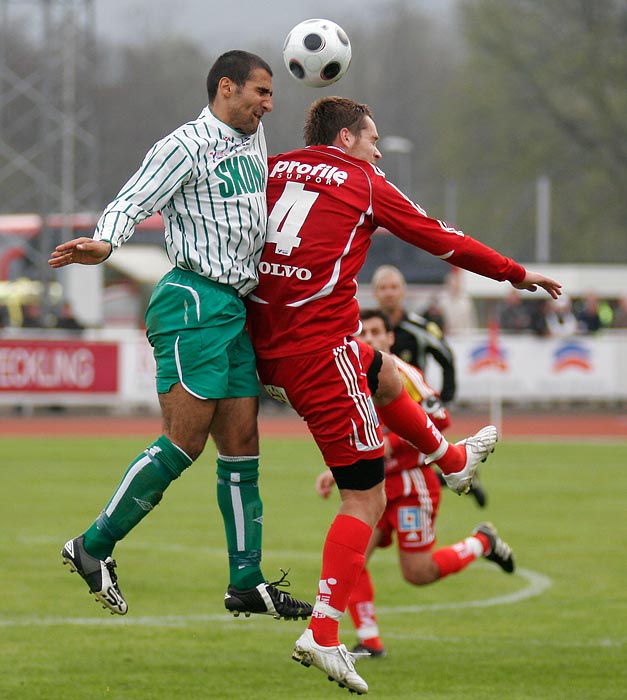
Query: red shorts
[(411, 514), (329, 390)]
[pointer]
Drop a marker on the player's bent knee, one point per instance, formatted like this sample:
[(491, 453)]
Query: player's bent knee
[(419, 579), (421, 573), (192, 444), (362, 488)]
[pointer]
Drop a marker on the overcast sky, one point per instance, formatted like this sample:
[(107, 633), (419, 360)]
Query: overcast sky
[(227, 25)]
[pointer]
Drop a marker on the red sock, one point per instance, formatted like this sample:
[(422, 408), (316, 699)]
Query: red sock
[(362, 612), (406, 418), (484, 541), (343, 559), (457, 556)]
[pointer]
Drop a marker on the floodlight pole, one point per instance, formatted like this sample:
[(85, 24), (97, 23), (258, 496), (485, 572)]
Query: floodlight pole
[(543, 219), (404, 147)]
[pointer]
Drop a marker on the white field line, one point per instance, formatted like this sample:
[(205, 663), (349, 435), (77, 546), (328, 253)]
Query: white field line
[(536, 585)]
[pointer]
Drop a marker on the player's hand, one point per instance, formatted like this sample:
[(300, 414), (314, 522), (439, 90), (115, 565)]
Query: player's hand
[(325, 483), (85, 251), (533, 280), (388, 449)]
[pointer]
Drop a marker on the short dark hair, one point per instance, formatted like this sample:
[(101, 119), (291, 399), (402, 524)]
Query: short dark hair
[(367, 314), (236, 65), (329, 115)]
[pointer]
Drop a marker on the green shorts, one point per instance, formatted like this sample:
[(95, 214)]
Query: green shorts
[(197, 330)]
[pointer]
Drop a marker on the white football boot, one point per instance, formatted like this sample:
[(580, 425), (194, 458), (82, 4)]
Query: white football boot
[(337, 662), (478, 447)]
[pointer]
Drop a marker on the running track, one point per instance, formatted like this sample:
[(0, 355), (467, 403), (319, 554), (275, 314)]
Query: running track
[(514, 425)]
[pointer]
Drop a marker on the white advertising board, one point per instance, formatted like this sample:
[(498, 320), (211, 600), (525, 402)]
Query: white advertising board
[(39, 370)]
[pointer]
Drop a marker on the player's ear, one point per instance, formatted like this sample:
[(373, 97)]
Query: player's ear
[(345, 138), (225, 87)]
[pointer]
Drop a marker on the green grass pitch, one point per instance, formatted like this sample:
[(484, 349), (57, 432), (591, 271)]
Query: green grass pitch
[(556, 629)]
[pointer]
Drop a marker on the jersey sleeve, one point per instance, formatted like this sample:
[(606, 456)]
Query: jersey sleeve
[(406, 220), (421, 338), (416, 385), (168, 164), (441, 352)]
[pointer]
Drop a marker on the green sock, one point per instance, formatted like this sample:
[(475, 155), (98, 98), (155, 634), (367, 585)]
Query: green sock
[(242, 512), (140, 490)]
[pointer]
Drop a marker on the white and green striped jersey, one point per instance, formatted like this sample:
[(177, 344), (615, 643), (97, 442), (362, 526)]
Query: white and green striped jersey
[(209, 183)]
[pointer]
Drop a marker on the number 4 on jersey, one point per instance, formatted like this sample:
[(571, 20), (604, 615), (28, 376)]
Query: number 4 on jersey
[(288, 216)]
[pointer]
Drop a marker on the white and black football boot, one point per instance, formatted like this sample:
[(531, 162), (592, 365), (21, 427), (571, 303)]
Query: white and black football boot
[(98, 574), (267, 599), (500, 552)]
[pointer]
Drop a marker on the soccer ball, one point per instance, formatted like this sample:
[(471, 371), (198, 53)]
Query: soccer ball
[(317, 52)]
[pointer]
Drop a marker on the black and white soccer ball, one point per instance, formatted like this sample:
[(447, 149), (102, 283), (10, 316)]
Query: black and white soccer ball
[(317, 52)]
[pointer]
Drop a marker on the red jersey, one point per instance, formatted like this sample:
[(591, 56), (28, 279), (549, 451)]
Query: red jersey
[(323, 207)]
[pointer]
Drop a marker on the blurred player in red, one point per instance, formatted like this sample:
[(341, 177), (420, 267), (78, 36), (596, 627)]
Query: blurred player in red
[(324, 204), (413, 495)]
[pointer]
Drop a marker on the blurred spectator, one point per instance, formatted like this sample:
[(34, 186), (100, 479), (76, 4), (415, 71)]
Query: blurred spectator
[(514, 313), (457, 306), (588, 314), (538, 310), (620, 314), (31, 316), (66, 319), (559, 317), (433, 312), (606, 313)]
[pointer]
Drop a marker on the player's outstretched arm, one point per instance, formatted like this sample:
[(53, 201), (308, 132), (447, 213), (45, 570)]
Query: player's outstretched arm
[(85, 251), (533, 280)]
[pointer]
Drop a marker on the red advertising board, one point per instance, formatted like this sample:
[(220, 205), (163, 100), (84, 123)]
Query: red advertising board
[(52, 366)]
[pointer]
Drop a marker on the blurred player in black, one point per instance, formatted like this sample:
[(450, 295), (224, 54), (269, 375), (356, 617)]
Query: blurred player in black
[(416, 337)]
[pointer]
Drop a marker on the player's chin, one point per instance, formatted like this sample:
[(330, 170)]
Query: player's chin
[(253, 125)]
